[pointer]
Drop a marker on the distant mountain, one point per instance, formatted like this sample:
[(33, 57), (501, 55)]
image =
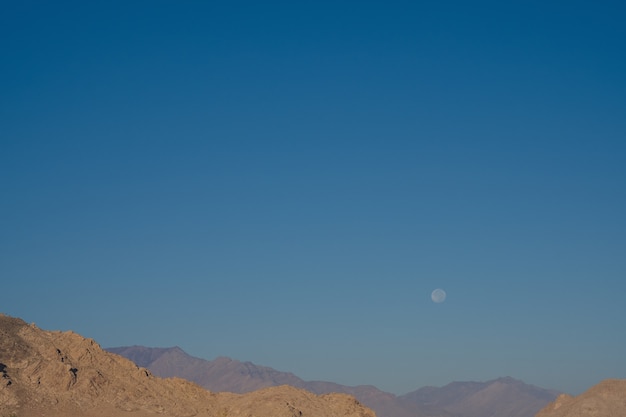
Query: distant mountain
[(503, 397), (499, 397), (59, 374), (607, 399), (227, 375), (221, 374)]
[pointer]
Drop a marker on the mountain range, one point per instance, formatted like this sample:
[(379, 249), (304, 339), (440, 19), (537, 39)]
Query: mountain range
[(55, 374), (502, 397)]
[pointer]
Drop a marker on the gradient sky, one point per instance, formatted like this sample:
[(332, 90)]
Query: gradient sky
[(286, 183)]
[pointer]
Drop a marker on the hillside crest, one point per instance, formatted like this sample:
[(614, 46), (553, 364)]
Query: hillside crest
[(502, 397), (606, 399), (62, 373)]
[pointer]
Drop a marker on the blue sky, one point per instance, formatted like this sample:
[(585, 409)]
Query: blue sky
[(287, 182)]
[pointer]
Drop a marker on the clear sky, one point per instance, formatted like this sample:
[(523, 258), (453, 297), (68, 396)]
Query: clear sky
[(287, 182)]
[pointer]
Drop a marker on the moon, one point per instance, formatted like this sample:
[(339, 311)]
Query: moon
[(438, 296)]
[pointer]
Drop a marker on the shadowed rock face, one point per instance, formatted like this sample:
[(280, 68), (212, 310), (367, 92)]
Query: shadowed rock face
[(503, 397), (62, 373), (607, 399)]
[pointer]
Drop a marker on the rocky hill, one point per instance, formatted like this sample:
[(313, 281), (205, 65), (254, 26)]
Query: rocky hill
[(53, 373), (228, 375), (607, 399), (503, 397)]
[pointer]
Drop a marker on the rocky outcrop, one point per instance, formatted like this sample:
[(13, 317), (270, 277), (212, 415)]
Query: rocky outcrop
[(607, 399), (56, 373)]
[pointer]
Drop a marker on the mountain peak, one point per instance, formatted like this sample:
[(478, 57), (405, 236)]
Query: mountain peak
[(62, 373), (508, 380), (467, 399), (223, 359)]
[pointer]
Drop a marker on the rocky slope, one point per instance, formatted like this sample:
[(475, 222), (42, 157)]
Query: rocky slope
[(607, 399), (52, 373), (228, 375), (503, 397)]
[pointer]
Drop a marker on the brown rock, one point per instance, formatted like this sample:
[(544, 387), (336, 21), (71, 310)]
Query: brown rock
[(51, 373), (607, 399)]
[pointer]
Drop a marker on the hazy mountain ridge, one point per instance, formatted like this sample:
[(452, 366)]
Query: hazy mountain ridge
[(221, 374), (500, 397), (503, 397), (55, 374)]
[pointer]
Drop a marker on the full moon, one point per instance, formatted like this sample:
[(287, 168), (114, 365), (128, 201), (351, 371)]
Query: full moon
[(438, 296)]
